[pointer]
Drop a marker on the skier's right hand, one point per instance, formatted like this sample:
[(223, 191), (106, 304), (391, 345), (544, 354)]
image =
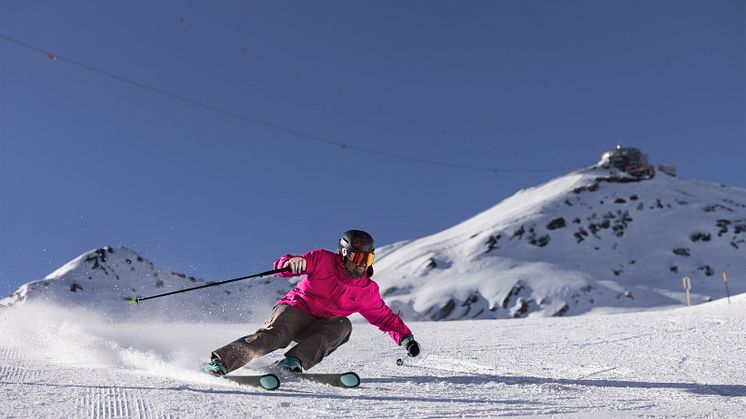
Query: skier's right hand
[(411, 345), (297, 264)]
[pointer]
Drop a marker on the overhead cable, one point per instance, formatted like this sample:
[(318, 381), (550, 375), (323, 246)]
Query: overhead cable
[(56, 57)]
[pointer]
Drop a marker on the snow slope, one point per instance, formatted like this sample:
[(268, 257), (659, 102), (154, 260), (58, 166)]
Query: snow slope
[(686, 362), (594, 239)]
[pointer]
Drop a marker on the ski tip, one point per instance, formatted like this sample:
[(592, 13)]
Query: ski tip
[(350, 379), (269, 382), (133, 301)]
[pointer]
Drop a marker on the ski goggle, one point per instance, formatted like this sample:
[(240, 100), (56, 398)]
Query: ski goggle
[(359, 258)]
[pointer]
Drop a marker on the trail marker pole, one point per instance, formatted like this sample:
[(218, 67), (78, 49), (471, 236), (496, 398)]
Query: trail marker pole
[(688, 287), (725, 281)]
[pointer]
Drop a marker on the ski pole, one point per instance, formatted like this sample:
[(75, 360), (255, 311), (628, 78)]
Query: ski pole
[(211, 284)]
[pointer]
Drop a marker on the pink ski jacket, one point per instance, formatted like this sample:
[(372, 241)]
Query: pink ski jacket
[(328, 291)]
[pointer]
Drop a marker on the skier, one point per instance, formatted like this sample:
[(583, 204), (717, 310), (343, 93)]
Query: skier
[(314, 314)]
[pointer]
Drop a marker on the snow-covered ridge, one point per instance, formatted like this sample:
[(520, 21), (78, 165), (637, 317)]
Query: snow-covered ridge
[(105, 279), (105, 274), (594, 239)]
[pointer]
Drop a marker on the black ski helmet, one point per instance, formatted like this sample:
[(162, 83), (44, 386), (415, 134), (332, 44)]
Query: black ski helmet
[(357, 241)]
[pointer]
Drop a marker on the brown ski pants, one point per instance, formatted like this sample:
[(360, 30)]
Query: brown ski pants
[(315, 338)]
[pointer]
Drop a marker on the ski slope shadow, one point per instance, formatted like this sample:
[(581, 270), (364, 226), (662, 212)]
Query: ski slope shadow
[(725, 390), (179, 388), (282, 393)]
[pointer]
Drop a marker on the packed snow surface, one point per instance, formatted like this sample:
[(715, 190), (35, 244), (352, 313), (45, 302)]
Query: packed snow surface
[(684, 362)]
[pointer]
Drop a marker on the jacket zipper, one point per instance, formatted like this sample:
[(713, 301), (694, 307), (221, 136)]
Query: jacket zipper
[(334, 297)]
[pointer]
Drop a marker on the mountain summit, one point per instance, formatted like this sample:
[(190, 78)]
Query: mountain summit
[(594, 239), (105, 279)]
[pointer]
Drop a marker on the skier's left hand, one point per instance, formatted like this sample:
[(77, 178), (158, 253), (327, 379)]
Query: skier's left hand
[(413, 348), (297, 265)]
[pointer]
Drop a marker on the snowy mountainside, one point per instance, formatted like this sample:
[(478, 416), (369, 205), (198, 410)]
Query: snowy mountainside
[(595, 239), (104, 279)]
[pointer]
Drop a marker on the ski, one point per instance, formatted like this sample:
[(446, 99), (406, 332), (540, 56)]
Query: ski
[(345, 380), (265, 381)]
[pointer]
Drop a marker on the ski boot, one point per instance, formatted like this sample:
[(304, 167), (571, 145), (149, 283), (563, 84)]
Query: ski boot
[(289, 364), (215, 367)]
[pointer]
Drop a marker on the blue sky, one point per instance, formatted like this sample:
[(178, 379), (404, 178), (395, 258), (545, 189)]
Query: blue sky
[(213, 137)]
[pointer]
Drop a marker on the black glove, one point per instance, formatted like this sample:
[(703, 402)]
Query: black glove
[(411, 345)]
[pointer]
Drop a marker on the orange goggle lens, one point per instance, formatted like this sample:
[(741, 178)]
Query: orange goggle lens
[(361, 258)]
